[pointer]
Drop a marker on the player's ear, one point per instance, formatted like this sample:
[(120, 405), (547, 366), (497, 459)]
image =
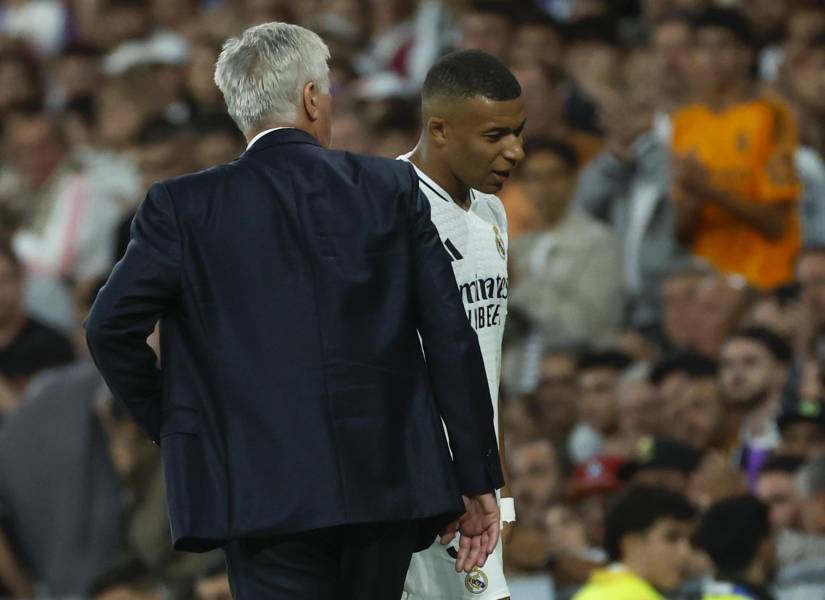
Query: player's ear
[(437, 128), (310, 101)]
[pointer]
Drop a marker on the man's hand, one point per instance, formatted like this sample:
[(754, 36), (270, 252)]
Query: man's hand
[(480, 527)]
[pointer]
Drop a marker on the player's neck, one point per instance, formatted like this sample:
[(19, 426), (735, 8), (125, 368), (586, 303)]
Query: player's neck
[(437, 170)]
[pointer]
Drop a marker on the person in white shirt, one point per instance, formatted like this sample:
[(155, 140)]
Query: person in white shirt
[(473, 119)]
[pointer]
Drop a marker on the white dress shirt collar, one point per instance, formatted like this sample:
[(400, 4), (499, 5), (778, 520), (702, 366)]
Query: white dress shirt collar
[(263, 133)]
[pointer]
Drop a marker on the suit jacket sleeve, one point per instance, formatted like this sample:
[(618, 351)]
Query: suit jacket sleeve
[(454, 360), (142, 287)]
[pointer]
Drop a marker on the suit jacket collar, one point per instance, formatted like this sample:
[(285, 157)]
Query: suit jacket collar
[(289, 135)]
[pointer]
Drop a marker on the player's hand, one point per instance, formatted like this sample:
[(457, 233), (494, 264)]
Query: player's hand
[(480, 528)]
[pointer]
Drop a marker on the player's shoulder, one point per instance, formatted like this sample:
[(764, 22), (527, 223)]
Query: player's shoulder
[(490, 208)]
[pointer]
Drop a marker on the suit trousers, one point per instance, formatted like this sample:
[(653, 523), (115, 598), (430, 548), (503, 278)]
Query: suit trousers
[(348, 562)]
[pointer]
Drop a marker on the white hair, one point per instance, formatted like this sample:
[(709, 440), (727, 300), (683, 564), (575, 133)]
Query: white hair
[(262, 73)]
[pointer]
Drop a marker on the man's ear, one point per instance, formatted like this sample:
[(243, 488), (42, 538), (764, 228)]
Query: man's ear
[(438, 129), (310, 99)]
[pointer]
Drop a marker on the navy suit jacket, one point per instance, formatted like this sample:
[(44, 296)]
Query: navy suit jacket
[(292, 286)]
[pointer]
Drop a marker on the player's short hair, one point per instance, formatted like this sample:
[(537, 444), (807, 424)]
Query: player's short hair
[(554, 146), (729, 19), (637, 510), (467, 74), (731, 531), (778, 348)]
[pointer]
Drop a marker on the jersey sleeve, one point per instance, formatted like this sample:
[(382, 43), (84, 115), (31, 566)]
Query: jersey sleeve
[(777, 179)]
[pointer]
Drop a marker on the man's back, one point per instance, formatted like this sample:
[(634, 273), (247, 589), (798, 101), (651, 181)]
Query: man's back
[(294, 282)]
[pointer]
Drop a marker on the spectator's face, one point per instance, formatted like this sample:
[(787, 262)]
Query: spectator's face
[(536, 46), (483, 142), (768, 17), (556, 396), (769, 314), (810, 273), (699, 415), (11, 290), (591, 510), (718, 300), (777, 490), (803, 438), (35, 149), (77, 76), (638, 408), (671, 391), (597, 402), (161, 160), (565, 531), (534, 478), (199, 76), (543, 101), (15, 85), (213, 588), (592, 61), (548, 182), (808, 79), (671, 49), (664, 550), (813, 514), (748, 373), (803, 26), (120, 118), (719, 58), (679, 297), (486, 31)]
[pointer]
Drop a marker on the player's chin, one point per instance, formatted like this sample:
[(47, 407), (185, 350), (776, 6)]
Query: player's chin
[(491, 186)]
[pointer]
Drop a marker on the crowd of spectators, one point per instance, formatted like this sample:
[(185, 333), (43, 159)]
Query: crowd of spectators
[(664, 361)]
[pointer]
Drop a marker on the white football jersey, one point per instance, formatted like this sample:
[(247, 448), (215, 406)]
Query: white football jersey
[(476, 241)]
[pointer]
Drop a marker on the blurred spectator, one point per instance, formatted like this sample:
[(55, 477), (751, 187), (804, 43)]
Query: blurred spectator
[(776, 488), (801, 556), (124, 106), (218, 141), (735, 184), (673, 376), (598, 373), (639, 411), (27, 346), (39, 24), (487, 25), (802, 429), (20, 82), (163, 150), (130, 580), (538, 42), (76, 75), (648, 539), (736, 533), (553, 404), (628, 185), (536, 480), (565, 276), (593, 488), (213, 583), (570, 556), (810, 274), (592, 59), (200, 83), (679, 292), (662, 462), (753, 372), (699, 416), (722, 301)]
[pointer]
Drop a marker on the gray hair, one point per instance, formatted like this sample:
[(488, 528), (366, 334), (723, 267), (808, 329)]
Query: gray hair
[(810, 480), (263, 72)]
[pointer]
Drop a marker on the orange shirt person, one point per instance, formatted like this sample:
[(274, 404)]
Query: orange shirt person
[(735, 183)]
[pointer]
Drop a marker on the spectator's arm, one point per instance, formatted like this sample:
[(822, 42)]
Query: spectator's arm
[(602, 181)]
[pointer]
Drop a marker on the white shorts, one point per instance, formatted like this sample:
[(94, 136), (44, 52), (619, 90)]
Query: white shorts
[(432, 575)]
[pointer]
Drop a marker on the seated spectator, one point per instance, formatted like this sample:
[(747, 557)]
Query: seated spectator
[(566, 275), (487, 25), (776, 488), (662, 462), (679, 296), (672, 377), (736, 534), (592, 489), (553, 404), (538, 41), (27, 346), (699, 418), (598, 374), (802, 429), (219, 141), (648, 541), (535, 480), (131, 580), (639, 412), (213, 583), (754, 368), (722, 301), (734, 180)]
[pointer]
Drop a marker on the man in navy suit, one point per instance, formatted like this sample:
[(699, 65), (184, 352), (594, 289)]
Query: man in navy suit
[(299, 421)]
